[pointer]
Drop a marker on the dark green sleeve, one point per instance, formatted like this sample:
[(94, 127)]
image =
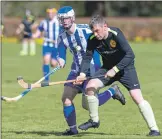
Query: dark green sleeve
[(85, 65), (124, 46)]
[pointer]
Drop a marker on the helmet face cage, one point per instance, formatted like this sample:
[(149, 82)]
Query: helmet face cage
[(64, 14), (61, 19)]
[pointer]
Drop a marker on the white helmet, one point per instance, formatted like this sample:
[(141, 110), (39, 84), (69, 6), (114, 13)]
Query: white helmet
[(64, 13)]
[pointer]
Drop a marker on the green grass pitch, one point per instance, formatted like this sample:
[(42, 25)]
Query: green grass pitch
[(39, 115)]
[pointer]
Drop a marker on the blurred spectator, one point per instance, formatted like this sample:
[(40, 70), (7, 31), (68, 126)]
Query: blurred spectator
[(26, 27)]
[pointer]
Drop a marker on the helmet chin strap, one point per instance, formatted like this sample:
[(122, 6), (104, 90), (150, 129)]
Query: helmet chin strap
[(69, 27)]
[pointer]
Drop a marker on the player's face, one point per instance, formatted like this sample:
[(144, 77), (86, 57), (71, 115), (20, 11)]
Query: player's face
[(66, 22), (99, 31), (51, 15)]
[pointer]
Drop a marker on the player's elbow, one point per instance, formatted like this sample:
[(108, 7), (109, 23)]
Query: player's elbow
[(131, 54)]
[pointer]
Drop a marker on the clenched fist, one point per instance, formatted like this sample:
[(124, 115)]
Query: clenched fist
[(61, 62), (111, 73), (80, 79)]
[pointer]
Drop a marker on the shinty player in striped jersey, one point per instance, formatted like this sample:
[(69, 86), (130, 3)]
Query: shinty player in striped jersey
[(74, 36), (50, 28)]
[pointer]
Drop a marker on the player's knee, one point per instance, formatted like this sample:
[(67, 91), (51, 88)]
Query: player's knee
[(25, 43), (68, 95), (46, 62), (91, 91), (96, 83), (54, 63), (46, 59), (91, 88), (136, 95), (66, 102), (32, 42)]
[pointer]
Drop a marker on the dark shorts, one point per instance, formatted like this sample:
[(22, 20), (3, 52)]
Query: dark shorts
[(128, 78), (49, 50), (72, 75), (26, 37)]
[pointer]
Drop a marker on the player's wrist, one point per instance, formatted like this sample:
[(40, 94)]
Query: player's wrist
[(115, 68)]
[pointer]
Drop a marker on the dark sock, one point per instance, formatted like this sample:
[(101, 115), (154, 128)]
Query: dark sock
[(70, 116), (46, 71), (105, 96)]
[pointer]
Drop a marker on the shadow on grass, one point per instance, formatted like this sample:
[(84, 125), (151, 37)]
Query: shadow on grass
[(56, 133)]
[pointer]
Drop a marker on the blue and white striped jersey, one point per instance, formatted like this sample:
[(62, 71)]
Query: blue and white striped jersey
[(51, 30), (77, 43)]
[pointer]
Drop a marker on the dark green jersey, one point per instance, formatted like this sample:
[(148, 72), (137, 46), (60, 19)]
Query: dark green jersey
[(27, 24), (115, 51)]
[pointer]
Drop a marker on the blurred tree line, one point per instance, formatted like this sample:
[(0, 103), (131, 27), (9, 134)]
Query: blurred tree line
[(85, 8)]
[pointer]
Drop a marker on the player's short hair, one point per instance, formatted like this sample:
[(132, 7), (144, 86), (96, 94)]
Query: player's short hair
[(97, 19), (53, 10)]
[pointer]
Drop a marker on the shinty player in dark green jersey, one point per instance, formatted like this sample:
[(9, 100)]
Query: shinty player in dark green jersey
[(118, 65), (26, 26)]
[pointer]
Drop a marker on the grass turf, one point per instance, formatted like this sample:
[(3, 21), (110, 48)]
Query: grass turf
[(39, 115)]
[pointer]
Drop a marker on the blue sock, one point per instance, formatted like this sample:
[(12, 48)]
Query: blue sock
[(105, 96), (46, 71), (112, 91), (70, 116)]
